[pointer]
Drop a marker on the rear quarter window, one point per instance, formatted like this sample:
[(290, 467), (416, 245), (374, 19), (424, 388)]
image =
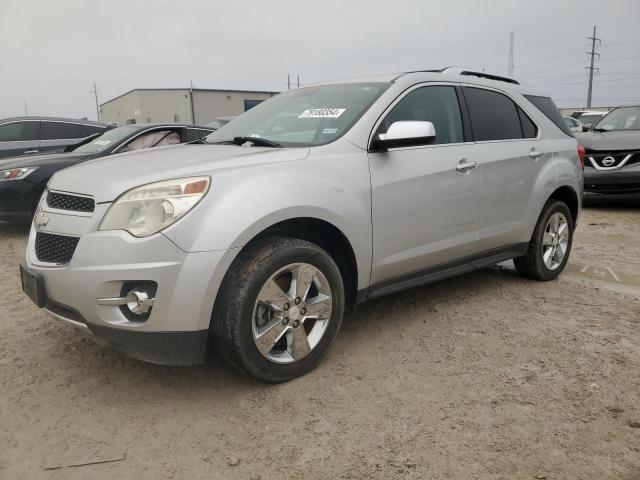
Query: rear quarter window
[(546, 106)]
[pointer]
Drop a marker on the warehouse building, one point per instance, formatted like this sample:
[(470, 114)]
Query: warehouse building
[(179, 105)]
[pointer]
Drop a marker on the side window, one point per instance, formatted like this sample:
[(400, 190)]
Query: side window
[(546, 106), (436, 104), (193, 134), (61, 130), (19, 132), (494, 116), (529, 129), (157, 138)]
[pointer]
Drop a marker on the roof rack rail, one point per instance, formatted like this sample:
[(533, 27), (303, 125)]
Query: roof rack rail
[(462, 71)]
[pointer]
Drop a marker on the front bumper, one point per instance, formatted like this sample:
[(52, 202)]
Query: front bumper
[(623, 181), (176, 330)]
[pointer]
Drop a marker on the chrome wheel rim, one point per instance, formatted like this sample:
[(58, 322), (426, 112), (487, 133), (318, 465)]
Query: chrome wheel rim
[(555, 241), (291, 313)]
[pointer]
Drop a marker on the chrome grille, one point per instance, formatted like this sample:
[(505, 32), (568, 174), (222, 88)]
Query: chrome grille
[(613, 160), (57, 249), (75, 203)]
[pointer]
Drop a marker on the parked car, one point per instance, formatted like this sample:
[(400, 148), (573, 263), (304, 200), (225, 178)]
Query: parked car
[(258, 239), (613, 153), (574, 125), (23, 179), (219, 122), (33, 135), (588, 118)]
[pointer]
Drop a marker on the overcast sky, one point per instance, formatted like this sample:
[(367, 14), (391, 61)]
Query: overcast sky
[(52, 51)]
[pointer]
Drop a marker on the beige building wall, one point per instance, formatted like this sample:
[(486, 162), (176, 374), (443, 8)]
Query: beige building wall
[(120, 109), (211, 105), (173, 105)]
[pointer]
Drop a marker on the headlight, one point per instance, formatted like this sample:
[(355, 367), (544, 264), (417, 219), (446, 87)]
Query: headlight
[(146, 210), (16, 173)]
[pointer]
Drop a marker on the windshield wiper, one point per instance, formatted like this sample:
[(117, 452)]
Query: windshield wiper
[(257, 141), (599, 129)]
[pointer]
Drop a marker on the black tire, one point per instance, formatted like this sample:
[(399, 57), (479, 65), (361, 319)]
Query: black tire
[(532, 265), (232, 322)]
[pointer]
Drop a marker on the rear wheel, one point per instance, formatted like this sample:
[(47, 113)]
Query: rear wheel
[(279, 309), (550, 244)]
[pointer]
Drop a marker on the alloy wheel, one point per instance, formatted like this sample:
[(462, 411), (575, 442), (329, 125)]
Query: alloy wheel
[(291, 313), (555, 241)]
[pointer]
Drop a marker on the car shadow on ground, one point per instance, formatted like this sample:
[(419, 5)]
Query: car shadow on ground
[(8, 229), (89, 362)]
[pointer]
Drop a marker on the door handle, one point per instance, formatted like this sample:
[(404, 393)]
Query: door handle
[(535, 154), (464, 165), (31, 151)]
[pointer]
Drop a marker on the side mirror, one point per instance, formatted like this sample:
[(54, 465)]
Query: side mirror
[(405, 134), (585, 128)]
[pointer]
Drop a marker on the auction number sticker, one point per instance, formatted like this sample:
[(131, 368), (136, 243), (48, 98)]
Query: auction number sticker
[(102, 142), (322, 113)]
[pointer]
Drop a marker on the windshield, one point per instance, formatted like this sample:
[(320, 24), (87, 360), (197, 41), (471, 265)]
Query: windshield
[(304, 117), (624, 118), (589, 119), (106, 140)]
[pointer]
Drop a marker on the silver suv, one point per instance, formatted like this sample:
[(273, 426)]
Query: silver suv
[(255, 241)]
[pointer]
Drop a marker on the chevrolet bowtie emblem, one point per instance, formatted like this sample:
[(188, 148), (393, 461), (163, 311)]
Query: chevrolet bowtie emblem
[(40, 220)]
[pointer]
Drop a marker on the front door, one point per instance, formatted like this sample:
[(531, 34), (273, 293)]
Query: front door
[(424, 199)]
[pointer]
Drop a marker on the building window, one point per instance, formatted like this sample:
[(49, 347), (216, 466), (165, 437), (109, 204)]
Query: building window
[(176, 118), (249, 104)]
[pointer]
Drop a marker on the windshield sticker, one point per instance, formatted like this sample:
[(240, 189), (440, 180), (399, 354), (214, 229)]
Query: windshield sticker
[(322, 113), (329, 131), (102, 142)]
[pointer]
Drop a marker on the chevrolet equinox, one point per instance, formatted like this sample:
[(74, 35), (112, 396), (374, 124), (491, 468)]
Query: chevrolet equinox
[(253, 241)]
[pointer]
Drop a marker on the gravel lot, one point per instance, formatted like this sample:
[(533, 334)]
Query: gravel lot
[(483, 376)]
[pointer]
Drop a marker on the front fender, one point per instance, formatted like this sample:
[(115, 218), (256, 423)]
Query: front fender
[(244, 203)]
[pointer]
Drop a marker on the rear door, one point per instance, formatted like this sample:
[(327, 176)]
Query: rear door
[(424, 204), (19, 138), (58, 135), (512, 152)]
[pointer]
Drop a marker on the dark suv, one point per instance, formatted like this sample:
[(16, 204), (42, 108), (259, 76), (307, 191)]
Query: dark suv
[(612, 146), (31, 135)]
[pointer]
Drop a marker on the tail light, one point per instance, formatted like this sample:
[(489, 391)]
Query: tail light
[(581, 153)]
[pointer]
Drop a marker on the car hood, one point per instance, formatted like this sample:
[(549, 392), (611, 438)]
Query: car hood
[(40, 160), (108, 178), (610, 141)]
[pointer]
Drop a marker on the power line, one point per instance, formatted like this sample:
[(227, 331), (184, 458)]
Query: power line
[(95, 94), (591, 68), (510, 65)]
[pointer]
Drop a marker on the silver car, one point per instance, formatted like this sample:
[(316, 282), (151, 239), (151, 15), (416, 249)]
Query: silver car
[(255, 241)]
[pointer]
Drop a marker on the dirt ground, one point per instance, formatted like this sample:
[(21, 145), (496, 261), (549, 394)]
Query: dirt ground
[(484, 376)]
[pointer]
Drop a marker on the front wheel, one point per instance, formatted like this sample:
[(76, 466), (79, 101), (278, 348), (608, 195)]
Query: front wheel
[(279, 309), (550, 244)]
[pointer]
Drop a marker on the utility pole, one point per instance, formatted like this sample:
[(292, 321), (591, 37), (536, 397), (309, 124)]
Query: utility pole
[(288, 82), (510, 66), (193, 110), (298, 81), (591, 68), (26, 110), (95, 94)]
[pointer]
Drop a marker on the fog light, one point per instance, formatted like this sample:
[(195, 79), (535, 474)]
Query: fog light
[(135, 301), (139, 302)]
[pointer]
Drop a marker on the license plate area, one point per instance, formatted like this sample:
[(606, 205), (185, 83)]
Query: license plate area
[(33, 286)]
